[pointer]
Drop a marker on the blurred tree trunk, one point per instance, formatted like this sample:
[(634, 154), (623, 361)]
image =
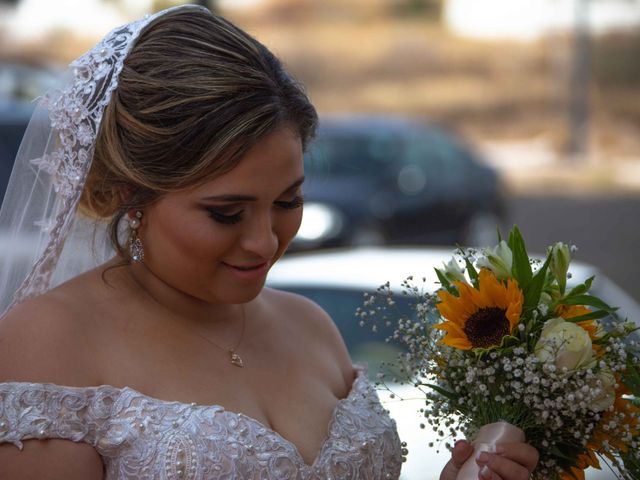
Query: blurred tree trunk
[(425, 8), (579, 111), (204, 3), (162, 4)]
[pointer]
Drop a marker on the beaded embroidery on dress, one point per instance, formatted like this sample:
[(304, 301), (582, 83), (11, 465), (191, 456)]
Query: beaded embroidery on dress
[(140, 437)]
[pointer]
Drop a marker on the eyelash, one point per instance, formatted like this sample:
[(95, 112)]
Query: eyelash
[(226, 219), (297, 202)]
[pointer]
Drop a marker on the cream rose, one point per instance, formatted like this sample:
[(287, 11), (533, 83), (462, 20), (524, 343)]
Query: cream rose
[(566, 343), (605, 383)]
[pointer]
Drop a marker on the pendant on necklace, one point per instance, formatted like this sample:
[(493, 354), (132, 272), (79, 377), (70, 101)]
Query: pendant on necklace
[(235, 359)]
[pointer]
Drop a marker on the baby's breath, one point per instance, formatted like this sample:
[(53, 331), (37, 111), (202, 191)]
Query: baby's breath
[(554, 405)]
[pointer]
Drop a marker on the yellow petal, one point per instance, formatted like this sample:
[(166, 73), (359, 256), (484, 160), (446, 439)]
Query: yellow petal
[(455, 309), (455, 336), (491, 290)]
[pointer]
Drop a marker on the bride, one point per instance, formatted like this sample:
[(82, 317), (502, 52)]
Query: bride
[(156, 189)]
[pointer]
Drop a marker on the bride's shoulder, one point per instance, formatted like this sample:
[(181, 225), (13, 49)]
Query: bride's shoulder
[(46, 339), (309, 325), (302, 312), (282, 300)]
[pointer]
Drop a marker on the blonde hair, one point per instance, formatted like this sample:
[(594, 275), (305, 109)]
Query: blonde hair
[(195, 93)]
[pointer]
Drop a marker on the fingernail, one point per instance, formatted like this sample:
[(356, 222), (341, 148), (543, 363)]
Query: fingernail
[(482, 457), (485, 473), (459, 442)]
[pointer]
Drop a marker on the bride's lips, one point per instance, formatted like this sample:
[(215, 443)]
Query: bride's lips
[(248, 272)]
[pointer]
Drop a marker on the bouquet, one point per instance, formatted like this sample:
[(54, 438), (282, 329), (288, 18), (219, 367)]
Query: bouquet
[(504, 340)]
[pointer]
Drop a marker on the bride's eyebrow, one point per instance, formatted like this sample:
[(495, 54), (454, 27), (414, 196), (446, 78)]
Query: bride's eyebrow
[(294, 185), (250, 198)]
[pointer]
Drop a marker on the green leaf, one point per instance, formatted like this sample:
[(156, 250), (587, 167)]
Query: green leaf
[(582, 288), (441, 391), (589, 316), (631, 375), (533, 290), (444, 281), (632, 464), (521, 266), (589, 300), (557, 452), (473, 273), (507, 343)]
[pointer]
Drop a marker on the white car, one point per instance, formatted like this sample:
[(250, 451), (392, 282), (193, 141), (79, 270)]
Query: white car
[(337, 279)]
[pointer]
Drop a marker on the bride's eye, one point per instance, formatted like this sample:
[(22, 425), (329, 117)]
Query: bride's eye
[(225, 218), (297, 202)]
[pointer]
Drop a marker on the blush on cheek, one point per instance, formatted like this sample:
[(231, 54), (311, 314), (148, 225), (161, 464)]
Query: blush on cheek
[(189, 246)]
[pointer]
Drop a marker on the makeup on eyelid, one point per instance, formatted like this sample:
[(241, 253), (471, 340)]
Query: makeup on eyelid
[(233, 218)]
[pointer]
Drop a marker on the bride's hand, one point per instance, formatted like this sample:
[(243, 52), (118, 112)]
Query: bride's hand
[(512, 461), (461, 451)]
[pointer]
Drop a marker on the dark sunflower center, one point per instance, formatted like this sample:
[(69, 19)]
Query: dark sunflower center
[(486, 327)]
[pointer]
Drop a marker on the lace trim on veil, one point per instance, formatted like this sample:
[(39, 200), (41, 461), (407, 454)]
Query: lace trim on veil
[(52, 165)]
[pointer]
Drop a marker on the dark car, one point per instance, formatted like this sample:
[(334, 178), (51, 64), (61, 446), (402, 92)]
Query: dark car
[(20, 84), (381, 180)]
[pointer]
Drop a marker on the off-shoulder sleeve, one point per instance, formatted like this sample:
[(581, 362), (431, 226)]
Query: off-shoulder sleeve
[(42, 411)]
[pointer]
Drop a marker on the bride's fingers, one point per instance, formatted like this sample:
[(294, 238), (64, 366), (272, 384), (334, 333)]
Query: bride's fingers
[(461, 451), (496, 466), (487, 474), (521, 453)]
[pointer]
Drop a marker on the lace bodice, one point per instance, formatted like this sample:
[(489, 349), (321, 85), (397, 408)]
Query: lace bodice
[(142, 437)]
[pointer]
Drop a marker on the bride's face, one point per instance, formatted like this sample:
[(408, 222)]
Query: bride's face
[(216, 242)]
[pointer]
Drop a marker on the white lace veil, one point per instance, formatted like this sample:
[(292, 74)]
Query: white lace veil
[(44, 239)]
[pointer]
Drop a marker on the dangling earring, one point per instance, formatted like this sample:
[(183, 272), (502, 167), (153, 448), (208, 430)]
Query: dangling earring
[(136, 250)]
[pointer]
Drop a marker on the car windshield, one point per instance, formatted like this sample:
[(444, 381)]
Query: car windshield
[(348, 153)]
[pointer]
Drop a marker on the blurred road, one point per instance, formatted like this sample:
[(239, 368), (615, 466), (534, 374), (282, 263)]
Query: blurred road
[(606, 229)]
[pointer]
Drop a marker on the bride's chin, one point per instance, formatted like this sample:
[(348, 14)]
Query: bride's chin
[(237, 295)]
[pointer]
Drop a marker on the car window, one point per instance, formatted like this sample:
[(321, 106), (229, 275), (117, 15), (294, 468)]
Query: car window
[(441, 156), (25, 83), (347, 154)]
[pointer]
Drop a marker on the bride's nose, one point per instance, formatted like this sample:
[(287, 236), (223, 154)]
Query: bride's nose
[(260, 237)]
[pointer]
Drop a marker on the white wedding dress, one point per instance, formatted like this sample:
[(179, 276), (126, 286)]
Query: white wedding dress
[(140, 437)]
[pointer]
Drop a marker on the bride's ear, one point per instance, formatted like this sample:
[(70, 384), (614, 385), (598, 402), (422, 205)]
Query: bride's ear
[(125, 195)]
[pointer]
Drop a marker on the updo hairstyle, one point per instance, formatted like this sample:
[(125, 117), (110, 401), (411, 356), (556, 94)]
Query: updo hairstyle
[(195, 94)]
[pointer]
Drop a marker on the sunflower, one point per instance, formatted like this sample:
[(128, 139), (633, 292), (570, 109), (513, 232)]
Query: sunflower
[(623, 411), (585, 460), (571, 311), (480, 318)]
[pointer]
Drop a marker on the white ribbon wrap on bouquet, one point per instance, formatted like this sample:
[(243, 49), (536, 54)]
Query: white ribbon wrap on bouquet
[(486, 440)]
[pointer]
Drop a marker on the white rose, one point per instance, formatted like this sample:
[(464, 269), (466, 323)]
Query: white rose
[(566, 343), (453, 272), (499, 260), (605, 383), (560, 258)]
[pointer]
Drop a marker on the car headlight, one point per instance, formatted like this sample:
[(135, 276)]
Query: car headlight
[(319, 222)]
